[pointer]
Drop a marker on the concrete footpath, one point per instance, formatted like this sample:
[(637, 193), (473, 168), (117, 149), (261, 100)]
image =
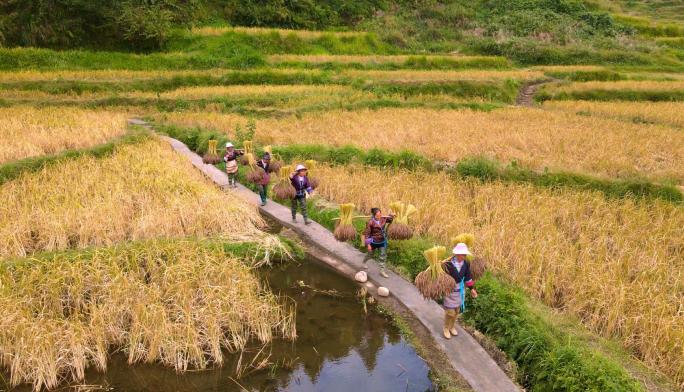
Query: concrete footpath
[(464, 352)]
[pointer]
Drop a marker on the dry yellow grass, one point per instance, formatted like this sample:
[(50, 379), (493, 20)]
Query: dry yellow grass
[(142, 191), (214, 31), (411, 75), (670, 113), (26, 132), (634, 85), (179, 303), (617, 264), (533, 137)]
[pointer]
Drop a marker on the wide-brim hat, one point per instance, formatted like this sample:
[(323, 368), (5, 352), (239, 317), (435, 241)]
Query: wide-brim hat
[(229, 144), (461, 249), (300, 168)]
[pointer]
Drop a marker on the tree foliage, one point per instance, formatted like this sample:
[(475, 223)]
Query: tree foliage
[(137, 24)]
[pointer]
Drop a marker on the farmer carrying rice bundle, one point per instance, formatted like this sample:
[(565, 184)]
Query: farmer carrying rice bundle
[(300, 182), (262, 183), (230, 158), (459, 269), (375, 238)]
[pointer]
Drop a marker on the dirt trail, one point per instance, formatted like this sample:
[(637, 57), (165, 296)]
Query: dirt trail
[(527, 92)]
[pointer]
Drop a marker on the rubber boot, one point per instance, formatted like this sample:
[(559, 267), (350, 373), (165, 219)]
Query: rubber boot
[(447, 325), (452, 320)]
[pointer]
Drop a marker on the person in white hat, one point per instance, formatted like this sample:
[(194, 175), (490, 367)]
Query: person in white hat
[(459, 269), (302, 187), (230, 158)]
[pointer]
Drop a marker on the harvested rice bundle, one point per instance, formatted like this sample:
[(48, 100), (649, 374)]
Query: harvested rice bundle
[(283, 188), (434, 282), (255, 174), (345, 230), (400, 229), (211, 157), (311, 168), (276, 163), (477, 264), (248, 149)]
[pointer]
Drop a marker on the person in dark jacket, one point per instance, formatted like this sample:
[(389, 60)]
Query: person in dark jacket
[(302, 187), (262, 185), (230, 158), (374, 238), (459, 269)]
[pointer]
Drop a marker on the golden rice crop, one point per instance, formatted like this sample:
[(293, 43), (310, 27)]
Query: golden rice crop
[(670, 113), (250, 90), (142, 191), (633, 85), (306, 34), (616, 264), (101, 75), (439, 75), (179, 303), (533, 137), (26, 132)]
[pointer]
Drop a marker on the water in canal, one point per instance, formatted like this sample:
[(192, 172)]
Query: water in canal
[(339, 348)]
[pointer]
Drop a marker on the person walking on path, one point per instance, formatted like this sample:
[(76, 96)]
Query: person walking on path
[(230, 158), (302, 186), (374, 238), (262, 184), (459, 269)]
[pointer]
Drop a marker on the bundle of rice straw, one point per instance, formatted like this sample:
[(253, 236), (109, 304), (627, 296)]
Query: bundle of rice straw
[(399, 229), (477, 264), (283, 189), (248, 149), (211, 157), (276, 164), (345, 231), (255, 174), (311, 168), (434, 282)]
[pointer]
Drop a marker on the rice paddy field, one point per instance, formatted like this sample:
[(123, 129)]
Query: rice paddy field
[(111, 248)]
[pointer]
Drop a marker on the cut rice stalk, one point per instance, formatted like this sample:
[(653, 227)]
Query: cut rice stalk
[(276, 163), (400, 229), (434, 282), (248, 149), (211, 157), (283, 189), (255, 174), (311, 168), (345, 231)]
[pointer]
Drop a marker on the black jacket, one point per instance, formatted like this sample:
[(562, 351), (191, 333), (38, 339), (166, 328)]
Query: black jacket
[(464, 274)]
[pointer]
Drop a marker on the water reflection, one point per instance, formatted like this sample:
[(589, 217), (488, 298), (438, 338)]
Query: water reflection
[(339, 348)]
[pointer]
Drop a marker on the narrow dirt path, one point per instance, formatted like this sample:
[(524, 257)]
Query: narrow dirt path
[(527, 92)]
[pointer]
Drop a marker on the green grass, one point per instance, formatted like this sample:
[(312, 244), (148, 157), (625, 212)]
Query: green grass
[(612, 95), (12, 170), (413, 62), (504, 91), (548, 358)]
